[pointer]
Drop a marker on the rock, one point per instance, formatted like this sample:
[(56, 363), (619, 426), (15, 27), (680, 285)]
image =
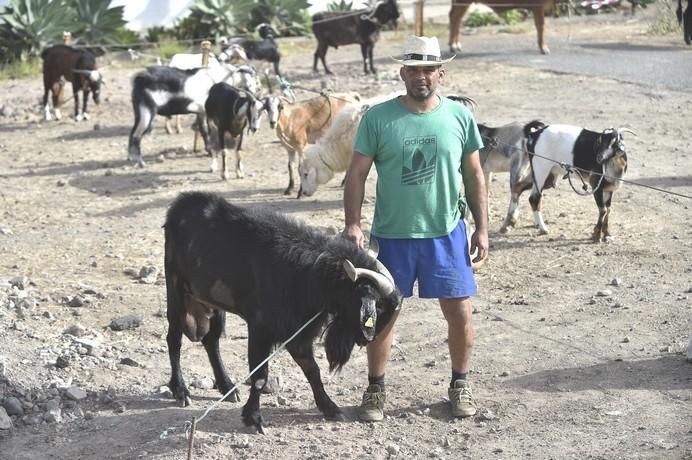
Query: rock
[(13, 406), (75, 393), (6, 111), (97, 127), (126, 322), (53, 416), (76, 301), (148, 274), (62, 362), (203, 383), (281, 400), (76, 330), (604, 293), (626, 340), (487, 415), (91, 346), (21, 282), (5, 420), (393, 449), (129, 362), (616, 282)]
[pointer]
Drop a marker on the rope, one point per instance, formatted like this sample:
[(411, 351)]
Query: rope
[(188, 424)]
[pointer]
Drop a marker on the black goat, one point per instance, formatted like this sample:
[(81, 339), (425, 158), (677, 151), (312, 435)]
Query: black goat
[(169, 91), (262, 50), (62, 63), (232, 110), (685, 19), (362, 27), (276, 274)]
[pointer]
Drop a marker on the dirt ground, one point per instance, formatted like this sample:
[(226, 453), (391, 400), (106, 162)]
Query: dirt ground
[(579, 347)]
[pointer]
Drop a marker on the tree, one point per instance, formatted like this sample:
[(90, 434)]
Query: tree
[(341, 5), (96, 22)]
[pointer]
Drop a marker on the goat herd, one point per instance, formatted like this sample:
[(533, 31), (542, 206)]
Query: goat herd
[(317, 134)]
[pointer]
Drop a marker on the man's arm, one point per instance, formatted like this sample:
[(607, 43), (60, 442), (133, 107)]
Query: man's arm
[(354, 192), (477, 199)]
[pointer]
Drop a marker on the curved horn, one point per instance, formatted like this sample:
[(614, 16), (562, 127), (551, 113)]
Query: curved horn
[(627, 130), (373, 250), (384, 285)]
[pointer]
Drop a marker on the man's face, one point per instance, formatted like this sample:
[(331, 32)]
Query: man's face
[(421, 81)]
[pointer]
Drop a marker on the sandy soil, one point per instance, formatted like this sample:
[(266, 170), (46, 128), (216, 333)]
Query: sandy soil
[(579, 346)]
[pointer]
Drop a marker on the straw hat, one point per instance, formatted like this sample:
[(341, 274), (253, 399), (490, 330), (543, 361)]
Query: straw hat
[(421, 51)]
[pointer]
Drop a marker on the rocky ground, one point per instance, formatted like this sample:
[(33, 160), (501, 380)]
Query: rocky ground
[(580, 347)]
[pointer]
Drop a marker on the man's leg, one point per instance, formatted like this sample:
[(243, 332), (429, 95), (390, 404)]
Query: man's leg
[(458, 313), (372, 407)]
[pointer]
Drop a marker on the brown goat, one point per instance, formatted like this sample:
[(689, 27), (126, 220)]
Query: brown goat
[(539, 8), (302, 123)]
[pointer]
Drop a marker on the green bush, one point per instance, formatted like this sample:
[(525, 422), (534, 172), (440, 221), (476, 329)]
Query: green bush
[(666, 22), (21, 68), (480, 19), (512, 16)]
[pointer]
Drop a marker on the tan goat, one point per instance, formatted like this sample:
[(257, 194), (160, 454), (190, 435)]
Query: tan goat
[(302, 123)]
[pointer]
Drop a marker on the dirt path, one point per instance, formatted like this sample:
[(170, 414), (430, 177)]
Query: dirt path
[(579, 346)]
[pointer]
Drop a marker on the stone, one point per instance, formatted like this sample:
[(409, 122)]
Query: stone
[(148, 274), (76, 330), (604, 293), (62, 362), (126, 322), (13, 406), (21, 282), (5, 420), (129, 362), (203, 383), (75, 393)]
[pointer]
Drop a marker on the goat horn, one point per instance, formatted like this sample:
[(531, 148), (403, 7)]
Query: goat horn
[(384, 284), (627, 130), (373, 251)]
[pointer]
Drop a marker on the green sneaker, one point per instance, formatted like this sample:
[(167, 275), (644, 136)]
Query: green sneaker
[(372, 408), (461, 399)]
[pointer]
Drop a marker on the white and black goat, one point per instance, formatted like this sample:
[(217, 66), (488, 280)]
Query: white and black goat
[(599, 158), (232, 111), (243, 76), (169, 91)]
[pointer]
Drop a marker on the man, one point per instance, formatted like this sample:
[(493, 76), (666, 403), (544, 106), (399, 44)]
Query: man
[(423, 147)]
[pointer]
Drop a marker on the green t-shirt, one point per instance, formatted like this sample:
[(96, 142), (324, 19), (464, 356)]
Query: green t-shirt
[(418, 162)]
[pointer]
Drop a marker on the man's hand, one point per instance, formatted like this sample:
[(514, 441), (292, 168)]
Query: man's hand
[(479, 242), (354, 234)]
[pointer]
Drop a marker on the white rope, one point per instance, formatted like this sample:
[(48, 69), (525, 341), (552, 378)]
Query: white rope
[(188, 424)]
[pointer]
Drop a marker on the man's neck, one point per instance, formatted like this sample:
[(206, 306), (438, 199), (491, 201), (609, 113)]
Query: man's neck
[(418, 106)]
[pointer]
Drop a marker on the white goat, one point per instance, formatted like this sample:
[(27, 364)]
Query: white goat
[(333, 151)]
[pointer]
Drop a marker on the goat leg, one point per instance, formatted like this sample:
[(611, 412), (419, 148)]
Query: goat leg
[(211, 345), (169, 128), (304, 356), (258, 350)]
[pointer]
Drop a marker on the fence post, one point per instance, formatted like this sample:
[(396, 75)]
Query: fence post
[(206, 48), (419, 17), (67, 38)]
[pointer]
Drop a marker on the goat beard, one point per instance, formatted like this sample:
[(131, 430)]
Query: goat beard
[(339, 343)]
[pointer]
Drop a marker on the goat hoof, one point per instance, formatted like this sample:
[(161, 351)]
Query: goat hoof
[(543, 231), (504, 229)]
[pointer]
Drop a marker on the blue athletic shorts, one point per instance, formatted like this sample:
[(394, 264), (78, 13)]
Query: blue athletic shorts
[(441, 265)]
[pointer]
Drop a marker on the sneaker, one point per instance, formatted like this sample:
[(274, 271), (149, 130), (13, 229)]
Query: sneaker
[(461, 399), (372, 408)]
